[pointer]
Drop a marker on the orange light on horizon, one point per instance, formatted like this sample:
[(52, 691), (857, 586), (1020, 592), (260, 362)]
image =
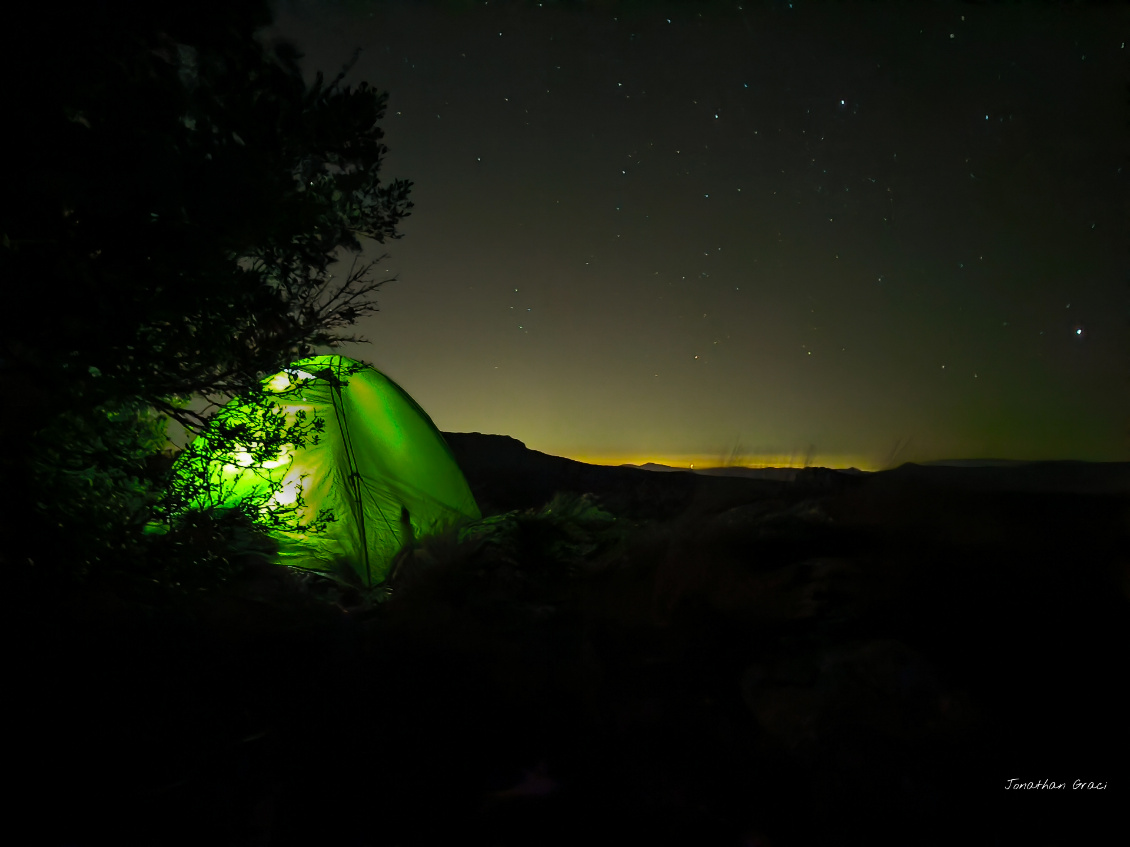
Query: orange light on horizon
[(684, 461)]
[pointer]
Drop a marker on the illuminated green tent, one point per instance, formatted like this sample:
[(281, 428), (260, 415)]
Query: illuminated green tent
[(353, 443)]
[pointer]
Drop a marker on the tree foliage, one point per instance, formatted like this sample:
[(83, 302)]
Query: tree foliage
[(176, 204)]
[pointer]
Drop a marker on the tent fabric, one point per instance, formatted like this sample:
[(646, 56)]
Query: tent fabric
[(380, 466)]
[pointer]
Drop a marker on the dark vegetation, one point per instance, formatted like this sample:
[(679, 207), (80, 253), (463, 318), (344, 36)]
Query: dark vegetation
[(177, 223), (869, 661), (611, 656)]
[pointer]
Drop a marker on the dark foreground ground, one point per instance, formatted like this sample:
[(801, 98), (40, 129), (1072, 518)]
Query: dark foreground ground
[(840, 660)]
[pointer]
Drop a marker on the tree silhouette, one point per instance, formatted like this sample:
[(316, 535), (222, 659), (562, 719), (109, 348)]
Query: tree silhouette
[(175, 201)]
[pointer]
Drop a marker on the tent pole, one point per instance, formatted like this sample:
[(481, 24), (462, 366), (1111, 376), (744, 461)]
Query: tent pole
[(354, 477)]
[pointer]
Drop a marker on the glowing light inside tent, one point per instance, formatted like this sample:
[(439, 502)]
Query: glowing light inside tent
[(288, 494), (240, 458), (283, 381), (279, 382), (283, 459)]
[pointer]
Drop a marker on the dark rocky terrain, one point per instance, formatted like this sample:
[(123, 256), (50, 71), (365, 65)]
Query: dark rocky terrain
[(840, 659)]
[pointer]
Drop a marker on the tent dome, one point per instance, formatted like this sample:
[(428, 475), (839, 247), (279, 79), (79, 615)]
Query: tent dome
[(360, 472)]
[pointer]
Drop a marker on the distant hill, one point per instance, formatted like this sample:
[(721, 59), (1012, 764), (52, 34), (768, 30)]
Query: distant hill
[(975, 463), (1062, 476), (1066, 477), (777, 474), (504, 474)]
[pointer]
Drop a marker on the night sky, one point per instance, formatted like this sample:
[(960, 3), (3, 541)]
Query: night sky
[(768, 233)]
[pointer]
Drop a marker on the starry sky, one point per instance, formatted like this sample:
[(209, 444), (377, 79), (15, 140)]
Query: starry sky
[(843, 234)]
